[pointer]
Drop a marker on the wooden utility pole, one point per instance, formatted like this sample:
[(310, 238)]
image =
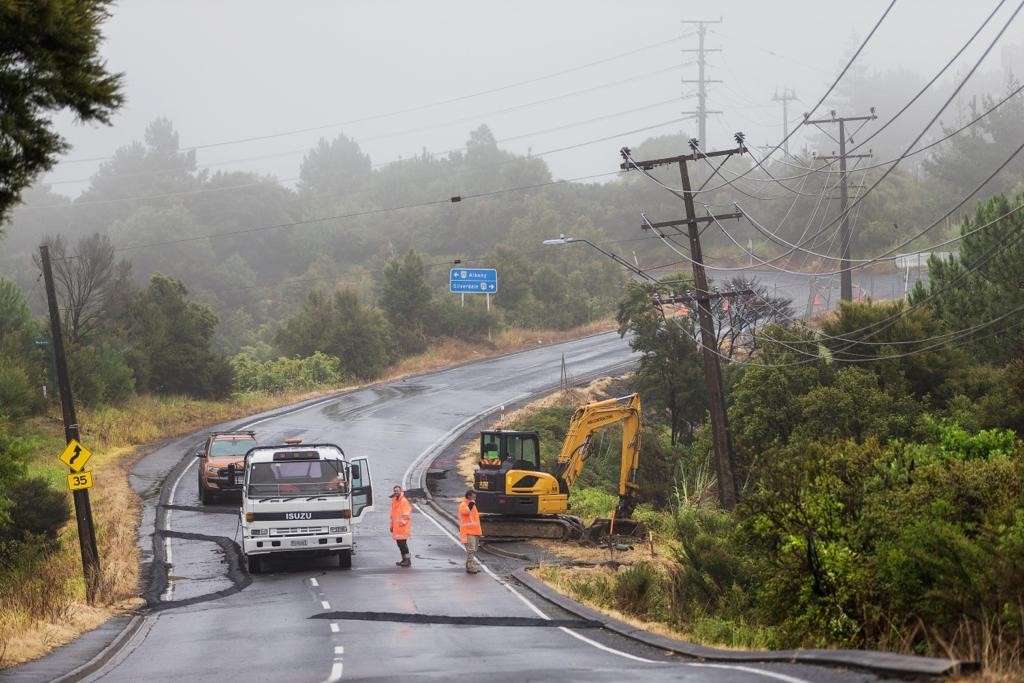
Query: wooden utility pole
[(725, 462), (787, 95), (845, 277), (702, 93), (83, 509)]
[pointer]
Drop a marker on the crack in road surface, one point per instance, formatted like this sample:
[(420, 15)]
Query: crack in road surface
[(403, 618)]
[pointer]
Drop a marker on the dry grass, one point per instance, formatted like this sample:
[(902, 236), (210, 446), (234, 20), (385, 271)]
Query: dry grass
[(45, 606), (454, 351), (560, 578)]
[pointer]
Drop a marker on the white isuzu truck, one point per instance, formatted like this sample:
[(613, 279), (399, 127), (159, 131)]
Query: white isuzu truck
[(302, 498)]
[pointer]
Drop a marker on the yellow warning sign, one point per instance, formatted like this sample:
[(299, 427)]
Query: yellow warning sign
[(81, 480), (75, 456)]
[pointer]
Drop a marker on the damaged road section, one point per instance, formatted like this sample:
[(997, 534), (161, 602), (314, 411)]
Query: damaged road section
[(444, 619)]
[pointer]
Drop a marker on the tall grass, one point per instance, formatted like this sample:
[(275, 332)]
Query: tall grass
[(42, 593)]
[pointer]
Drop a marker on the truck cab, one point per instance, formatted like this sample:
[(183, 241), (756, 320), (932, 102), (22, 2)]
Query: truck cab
[(302, 498)]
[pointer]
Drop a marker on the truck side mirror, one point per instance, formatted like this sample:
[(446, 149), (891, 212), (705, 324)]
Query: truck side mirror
[(354, 472), (200, 453)]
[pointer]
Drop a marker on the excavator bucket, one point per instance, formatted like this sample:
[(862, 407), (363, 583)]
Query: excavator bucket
[(618, 529)]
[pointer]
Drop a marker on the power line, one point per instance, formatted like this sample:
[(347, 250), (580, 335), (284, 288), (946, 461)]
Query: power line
[(408, 110), (261, 183), (933, 79)]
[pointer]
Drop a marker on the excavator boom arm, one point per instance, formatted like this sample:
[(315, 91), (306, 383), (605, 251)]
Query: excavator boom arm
[(590, 418)]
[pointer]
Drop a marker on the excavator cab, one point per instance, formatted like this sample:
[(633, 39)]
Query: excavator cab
[(510, 481), (510, 450)]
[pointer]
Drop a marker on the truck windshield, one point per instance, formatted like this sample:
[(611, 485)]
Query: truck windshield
[(296, 478), (222, 447)]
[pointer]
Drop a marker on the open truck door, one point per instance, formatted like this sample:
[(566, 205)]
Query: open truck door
[(362, 488)]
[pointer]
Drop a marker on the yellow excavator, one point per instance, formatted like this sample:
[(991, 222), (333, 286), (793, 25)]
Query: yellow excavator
[(517, 499)]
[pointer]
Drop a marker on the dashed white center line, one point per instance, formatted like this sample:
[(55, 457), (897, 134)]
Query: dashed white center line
[(325, 604), (339, 649), (314, 582), (335, 628), (335, 673)]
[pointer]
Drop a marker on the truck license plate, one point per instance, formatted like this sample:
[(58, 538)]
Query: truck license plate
[(296, 542)]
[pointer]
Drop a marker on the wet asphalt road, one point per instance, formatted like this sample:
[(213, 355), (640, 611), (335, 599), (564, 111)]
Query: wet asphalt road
[(307, 620)]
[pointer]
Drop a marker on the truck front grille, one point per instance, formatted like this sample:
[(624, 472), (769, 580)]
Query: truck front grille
[(299, 531)]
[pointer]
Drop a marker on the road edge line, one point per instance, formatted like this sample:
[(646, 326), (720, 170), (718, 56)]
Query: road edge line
[(905, 666)]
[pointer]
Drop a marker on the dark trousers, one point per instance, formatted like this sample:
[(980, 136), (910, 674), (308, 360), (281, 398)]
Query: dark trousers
[(403, 546)]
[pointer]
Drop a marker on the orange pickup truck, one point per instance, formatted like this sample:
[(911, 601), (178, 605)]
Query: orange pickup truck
[(222, 463)]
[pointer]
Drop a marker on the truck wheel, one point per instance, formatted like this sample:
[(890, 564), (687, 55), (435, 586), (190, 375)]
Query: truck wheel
[(207, 497), (255, 565), (345, 559)]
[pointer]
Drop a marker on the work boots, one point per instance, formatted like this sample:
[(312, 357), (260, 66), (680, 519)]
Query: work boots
[(405, 562), (472, 568)]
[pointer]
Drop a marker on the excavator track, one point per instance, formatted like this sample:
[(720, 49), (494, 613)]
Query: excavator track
[(555, 527)]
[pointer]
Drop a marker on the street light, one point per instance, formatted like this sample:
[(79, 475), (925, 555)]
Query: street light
[(562, 239)]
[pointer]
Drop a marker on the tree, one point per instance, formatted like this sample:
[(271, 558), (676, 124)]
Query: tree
[(22, 366), (406, 299), (968, 158), (739, 319), (338, 325), (15, 316), (85, 279), (49, 61), (981, 286), (333, 169), (170, 342), (670, 377), (904, 345)]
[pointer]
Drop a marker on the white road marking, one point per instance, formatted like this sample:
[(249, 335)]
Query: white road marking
[(536, 610), (335, 628), (339, 649), (169, 593), (752, 670), (325, 604), (600, 646), (335, 673), (314, 582), (449, 436)]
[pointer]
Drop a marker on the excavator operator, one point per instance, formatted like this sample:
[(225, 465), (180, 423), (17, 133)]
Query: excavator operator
[(490, 457)]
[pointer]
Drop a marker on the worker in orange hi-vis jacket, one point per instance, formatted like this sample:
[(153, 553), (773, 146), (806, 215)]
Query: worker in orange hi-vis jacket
[(401, 524), (470, 530)]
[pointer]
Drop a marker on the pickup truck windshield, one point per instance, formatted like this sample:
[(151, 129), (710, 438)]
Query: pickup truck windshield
[(222, 447), (296, 478)]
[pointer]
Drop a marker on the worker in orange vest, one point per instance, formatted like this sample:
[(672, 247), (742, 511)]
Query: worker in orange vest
[(401, 524), (470, 530)]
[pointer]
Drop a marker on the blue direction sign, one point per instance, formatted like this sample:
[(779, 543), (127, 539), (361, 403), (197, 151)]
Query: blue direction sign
[(473, 280)]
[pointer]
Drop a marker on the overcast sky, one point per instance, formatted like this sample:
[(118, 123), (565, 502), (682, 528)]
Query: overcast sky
[(232, 69)]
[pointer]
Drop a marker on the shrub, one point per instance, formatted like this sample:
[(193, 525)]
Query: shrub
[(285, 374), (639, 591), (37, 510), (470, 323), (14, 454), (17, 395), (588, 503), (713, 572), (100, 375)]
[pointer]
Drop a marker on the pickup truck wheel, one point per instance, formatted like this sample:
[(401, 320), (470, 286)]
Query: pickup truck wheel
[(255, 565), (345, 559), (207, 497)]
